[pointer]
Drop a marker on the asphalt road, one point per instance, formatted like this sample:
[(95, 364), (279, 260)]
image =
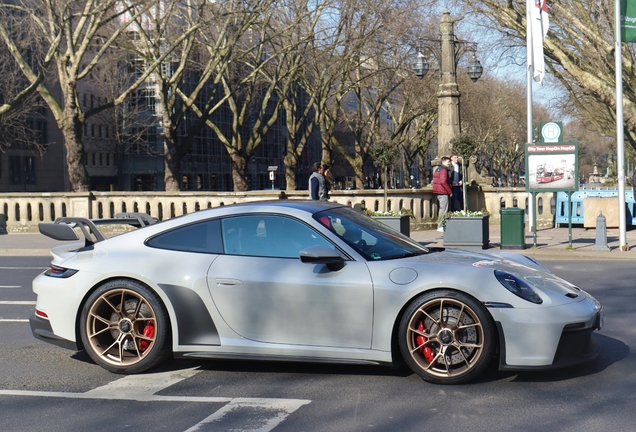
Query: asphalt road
[(46, 388)]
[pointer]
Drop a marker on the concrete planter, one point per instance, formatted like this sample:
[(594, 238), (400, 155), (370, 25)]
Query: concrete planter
[(398, 223), (467, 231)]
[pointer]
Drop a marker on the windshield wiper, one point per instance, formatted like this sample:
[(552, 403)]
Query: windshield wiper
[(410, 254)]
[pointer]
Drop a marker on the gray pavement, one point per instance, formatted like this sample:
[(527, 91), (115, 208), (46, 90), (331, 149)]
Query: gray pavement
[(552, 243)]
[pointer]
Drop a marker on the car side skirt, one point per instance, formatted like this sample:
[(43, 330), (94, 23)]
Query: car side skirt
[(257, 357)]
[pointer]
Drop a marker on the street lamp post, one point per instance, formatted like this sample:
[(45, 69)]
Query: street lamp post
[(447, 50)]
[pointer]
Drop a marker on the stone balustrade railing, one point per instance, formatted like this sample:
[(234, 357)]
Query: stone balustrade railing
[(21, 212)]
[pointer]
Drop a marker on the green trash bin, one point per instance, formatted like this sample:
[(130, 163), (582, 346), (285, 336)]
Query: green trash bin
[(512, 227)]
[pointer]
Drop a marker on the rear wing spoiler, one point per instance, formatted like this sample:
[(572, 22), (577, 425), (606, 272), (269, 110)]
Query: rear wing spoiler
[(63, 228)]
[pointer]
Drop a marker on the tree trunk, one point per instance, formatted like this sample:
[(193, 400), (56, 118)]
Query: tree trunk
[(172, 156), (239, 168), (291, 165), (72, 129)]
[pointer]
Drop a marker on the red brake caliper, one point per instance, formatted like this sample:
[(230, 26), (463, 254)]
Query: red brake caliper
[(428, 352), (149, 332)]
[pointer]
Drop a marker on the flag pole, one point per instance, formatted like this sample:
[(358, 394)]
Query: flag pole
[(529, 74), (620, 140)]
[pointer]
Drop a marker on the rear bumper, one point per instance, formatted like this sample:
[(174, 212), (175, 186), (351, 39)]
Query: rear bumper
[(42, 330)]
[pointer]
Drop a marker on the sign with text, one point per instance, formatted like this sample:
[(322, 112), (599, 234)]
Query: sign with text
[(628, 21), (552, 167)]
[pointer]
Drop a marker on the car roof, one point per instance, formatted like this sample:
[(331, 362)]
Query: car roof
[(310, 206)]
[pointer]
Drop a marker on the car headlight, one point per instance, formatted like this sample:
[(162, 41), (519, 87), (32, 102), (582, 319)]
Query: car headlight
[(518, 287)]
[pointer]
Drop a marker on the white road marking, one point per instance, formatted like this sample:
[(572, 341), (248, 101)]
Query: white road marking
[(148, 398), (14, 320), (244, 414), (141, 387), (23, 268), (17, 303), (10, 286), (260, 415)]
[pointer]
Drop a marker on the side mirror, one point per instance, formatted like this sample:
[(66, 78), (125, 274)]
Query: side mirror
[(319, 254)]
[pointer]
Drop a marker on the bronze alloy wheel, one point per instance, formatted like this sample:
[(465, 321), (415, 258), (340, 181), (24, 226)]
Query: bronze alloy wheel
[(447, 337), (124, 327)]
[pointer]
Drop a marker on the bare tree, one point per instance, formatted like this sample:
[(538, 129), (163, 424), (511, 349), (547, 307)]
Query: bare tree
[(367, 71), (579, 52), (73, 37), (499, 132), (190, 82), (305, 42), (19, 121), (412, 110)]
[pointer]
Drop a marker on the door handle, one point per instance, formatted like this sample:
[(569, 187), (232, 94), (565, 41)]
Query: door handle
[(220, 281)]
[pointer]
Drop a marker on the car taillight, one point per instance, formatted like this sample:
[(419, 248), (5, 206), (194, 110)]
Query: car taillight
[(59, 272), (41, 314)]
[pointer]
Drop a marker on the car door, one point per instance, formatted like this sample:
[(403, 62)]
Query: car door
[(265, 293)]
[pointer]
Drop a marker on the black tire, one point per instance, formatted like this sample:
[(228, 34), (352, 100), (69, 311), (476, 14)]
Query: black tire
[(125, 328), (447, 337)]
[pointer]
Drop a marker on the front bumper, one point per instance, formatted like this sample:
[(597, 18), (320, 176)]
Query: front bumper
[(548, 338), (42, 330), (575, 347)]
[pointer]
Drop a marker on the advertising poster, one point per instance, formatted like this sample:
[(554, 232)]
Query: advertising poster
[(552, 167)]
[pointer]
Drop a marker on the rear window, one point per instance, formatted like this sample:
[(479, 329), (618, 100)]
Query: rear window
[(202, 237)]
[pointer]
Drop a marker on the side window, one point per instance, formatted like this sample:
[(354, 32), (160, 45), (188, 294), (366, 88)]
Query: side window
[(204, 237), (268, 236)]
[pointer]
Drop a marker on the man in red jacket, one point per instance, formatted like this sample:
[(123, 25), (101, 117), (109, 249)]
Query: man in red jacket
[(442, 188)]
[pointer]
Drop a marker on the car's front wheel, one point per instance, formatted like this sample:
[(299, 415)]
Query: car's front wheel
[(124, 327), (447, 337)]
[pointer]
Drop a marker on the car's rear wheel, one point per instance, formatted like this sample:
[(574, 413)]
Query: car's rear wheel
[(124, 327), (447, 337)]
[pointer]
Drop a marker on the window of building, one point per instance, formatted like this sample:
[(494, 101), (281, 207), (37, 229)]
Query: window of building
[(14, 170), (21, 170), (29, 169)]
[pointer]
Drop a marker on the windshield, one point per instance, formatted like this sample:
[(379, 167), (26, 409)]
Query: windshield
[(370, 238)]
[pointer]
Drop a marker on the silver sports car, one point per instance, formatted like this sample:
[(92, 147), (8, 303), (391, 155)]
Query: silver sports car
[(303, 281)]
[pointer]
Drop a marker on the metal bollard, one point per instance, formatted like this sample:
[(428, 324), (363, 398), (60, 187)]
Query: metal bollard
[(601, 234)]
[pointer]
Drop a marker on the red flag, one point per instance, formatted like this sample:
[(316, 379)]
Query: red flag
[(539, 22)]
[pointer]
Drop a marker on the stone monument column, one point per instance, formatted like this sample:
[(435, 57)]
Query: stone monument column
[(448, 92)]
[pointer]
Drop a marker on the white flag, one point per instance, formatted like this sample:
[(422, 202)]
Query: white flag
[(540, 23)]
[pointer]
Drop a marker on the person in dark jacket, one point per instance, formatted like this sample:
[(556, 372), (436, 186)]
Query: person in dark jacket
[(442, 188), (457, 182), (317, 185), (329, 180)]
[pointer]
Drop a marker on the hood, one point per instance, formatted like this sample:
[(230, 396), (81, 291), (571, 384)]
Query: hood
[(551, 288), (497, 260)]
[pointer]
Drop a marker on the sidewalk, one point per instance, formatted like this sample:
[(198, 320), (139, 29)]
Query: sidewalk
[(552, 243)]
